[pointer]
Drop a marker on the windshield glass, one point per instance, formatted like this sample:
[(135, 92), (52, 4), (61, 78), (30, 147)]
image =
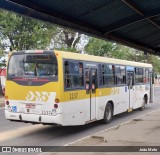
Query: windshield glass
[(32, 65)]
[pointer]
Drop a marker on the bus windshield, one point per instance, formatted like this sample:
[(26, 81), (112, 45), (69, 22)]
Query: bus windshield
[(32, 65)]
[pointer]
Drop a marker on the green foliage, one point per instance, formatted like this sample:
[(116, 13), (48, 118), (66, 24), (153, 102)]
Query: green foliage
[(155, 61), (22, 33), (99, 47), (103, 48), (122, 52)]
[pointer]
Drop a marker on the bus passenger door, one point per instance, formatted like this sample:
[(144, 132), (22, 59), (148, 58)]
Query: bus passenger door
[(91, 85), (130, 82), (151, 99)]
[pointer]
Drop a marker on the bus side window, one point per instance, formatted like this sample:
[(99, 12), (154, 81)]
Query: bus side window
[(87, 77), (66, 76), (120, 75), (108, 74), (138, 75), (74, 75), (114, 74), (81, 77), (146, 76), (100, 77)]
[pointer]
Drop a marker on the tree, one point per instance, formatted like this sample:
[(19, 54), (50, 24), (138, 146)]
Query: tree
[(67, 40), (22, 33), (99, 47), (155, 61), (109, 49), (105, 48)]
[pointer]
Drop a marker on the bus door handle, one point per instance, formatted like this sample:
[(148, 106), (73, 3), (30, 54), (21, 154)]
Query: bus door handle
[(87, 87), (93, 88)]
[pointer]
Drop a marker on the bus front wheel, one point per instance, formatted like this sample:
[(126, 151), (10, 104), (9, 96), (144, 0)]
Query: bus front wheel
[(108, 114)]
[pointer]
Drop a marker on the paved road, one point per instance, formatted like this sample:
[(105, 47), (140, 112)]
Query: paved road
[(21, 134), (6, 125)]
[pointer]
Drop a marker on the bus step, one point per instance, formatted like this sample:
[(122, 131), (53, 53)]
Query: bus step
[(130, 110)]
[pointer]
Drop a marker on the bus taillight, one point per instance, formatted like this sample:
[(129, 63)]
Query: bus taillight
[(7, 102), (55, 106), (57, 100), (6, 97)]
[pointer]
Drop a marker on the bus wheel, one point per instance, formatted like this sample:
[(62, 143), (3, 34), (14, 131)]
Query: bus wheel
[(144, 103), (108, 114)]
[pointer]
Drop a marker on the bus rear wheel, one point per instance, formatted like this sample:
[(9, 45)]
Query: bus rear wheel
[(108, 114)]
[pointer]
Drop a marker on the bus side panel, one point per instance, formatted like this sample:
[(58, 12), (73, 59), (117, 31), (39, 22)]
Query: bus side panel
[(139, 93), (118, 95), (75, 107), (75, 112)]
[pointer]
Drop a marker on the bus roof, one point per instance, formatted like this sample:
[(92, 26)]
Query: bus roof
[(86, 57)]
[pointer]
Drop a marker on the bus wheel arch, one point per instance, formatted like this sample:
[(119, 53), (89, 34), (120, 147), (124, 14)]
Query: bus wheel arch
[(108, 113), (145, 101)]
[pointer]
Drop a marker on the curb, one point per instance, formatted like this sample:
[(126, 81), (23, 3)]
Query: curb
[(109, 129)]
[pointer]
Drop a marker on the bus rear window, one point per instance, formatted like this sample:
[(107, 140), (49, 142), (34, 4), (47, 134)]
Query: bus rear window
[(32, 65)]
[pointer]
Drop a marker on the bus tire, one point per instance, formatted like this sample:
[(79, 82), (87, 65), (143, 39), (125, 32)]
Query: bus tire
[(108, 113), (144, 103)]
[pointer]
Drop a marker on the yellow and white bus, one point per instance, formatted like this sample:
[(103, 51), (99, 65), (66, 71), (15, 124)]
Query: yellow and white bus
[(55, 87)]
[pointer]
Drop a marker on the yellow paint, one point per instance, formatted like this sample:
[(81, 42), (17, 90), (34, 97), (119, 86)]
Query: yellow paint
[(15, 91), (115, 90), (22, 92), (41, 96), (81, 94)]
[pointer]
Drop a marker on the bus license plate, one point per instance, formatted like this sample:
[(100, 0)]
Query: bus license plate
[(30, 106)]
